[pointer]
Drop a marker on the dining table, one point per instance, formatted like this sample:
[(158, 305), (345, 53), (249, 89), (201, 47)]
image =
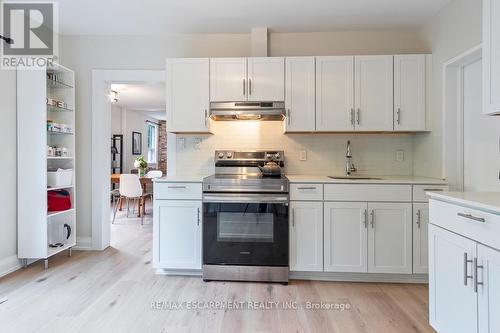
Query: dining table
[(145, 181)]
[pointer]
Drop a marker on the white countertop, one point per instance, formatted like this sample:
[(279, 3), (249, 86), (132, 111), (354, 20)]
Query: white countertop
[(383, 180), (488, 201), (181, 179)]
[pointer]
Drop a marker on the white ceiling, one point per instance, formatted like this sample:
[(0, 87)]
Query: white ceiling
[(239, 16), (147, 98)]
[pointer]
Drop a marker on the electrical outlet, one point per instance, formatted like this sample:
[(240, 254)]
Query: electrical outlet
[(181, 143), (196, 143), (303, 155), (400, 155)]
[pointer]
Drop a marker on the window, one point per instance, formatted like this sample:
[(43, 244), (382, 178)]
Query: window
[(152, 143)]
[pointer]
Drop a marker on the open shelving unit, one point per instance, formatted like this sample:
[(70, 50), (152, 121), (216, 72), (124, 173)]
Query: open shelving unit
[(37, 227)]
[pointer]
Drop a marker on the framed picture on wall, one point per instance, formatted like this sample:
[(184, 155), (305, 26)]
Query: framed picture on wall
[(136, 143)]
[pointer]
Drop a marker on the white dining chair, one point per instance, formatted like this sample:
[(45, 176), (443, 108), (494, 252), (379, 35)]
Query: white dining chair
[(154, 174), (130, 188)]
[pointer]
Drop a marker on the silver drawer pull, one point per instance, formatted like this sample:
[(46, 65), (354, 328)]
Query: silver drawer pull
[(472, 217), (433, 190), (177, 187), (307, 188), (466, 274), (476, 275)]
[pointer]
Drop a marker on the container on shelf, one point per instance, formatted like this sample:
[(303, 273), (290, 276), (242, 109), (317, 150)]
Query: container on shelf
[(60, 177)]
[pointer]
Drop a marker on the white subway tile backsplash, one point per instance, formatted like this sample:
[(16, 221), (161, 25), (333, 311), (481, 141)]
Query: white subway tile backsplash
[(373, 153)]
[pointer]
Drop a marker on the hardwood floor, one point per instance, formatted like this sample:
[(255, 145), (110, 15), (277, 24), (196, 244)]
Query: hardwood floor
[(113, 291)]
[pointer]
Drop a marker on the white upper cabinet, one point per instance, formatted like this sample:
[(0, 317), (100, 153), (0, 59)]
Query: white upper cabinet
[(390, 238), (491, 57), (306, 236), (334, 93), (409, 92), (345, 239), (187, 95), (374, 93), (299, 94), (266, 79), (228, 79)]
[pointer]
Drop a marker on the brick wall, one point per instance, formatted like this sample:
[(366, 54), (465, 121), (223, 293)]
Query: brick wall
[(162, 145)]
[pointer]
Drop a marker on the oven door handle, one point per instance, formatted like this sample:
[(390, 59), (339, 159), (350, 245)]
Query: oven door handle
[(245, 198)]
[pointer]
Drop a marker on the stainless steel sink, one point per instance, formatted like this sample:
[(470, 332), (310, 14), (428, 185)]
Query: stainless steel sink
[(354, 178)]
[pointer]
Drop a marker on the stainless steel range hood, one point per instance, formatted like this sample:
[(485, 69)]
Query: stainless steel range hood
[(273, 111)]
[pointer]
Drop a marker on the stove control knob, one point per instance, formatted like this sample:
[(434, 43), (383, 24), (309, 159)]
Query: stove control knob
[(269, 156), (229, 154), (277, 156), (220, 156)]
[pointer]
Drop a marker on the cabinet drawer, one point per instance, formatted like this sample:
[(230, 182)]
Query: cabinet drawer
[(471, 223), (367, 192), (306, 192), (178, 191), (419, 191)]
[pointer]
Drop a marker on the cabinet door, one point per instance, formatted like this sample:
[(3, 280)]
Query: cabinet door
[(452, 301), (389, 238), (228, 79), (409, 92), (266, 79), (491, 57), (489, 291), (300, 94), (179, 234), (187, 95), (306, 236), (420, 239), (374, 93), (334, 93), (345, 237)]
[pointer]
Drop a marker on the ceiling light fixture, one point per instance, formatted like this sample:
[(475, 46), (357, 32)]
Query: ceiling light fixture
[(113, 96)]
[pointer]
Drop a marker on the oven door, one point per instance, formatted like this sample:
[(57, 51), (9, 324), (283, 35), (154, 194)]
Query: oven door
[(245, 229)]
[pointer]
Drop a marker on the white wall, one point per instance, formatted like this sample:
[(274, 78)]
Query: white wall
[(373, 154), (455, 29), (8, 165), (116, 119), (84, 53), (134, 121)]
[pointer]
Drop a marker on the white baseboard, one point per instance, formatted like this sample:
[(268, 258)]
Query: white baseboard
[(83, 243), (360, 277), (9, 264), (178, 272)]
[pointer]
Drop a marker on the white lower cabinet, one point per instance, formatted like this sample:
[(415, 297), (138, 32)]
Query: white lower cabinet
[(452, 301), (345, 238), (420, 239), (489, 292), (178, 229), (306, 236)]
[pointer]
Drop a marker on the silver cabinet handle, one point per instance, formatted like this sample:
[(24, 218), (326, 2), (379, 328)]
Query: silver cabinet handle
[(419, 217), (206, 116), (466, 275), (366, 218), (352, 116), (244, 87), (289, 119), (358, 119), (476, 279), (198, 223), (433, 190), (176, 186), (306, 188), (472, 217), (249, 86), (398, 116), (293, 217), (372, 222)]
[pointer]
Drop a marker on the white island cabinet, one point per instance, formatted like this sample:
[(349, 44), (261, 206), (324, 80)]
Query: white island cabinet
[(464, 262)]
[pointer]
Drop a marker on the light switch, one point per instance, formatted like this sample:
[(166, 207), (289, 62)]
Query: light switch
[(400, 155), (303, 155)]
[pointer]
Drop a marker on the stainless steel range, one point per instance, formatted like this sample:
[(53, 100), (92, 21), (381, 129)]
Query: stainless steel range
[(245, 218)]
